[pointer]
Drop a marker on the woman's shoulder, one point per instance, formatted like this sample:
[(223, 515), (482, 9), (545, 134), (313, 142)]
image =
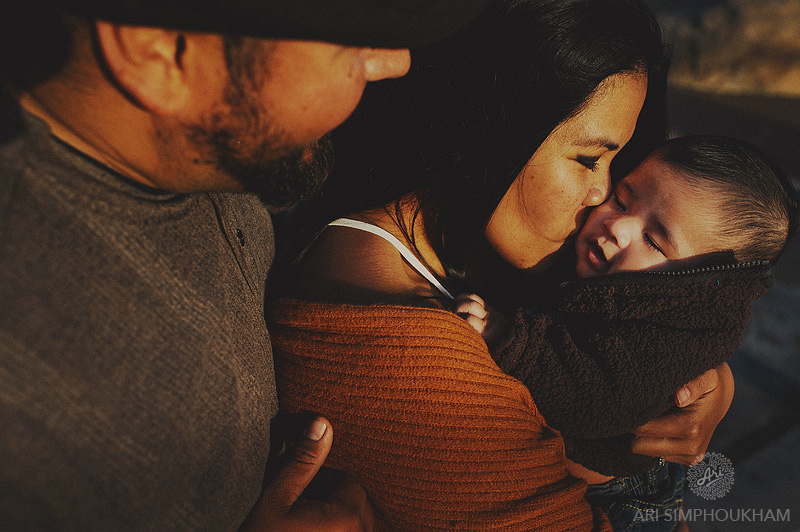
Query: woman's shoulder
[(349, 265)]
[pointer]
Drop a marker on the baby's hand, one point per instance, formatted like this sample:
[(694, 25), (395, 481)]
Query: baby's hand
[(489, 323), (473, 309)]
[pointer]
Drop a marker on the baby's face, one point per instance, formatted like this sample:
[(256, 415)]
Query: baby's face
[(652, 218)]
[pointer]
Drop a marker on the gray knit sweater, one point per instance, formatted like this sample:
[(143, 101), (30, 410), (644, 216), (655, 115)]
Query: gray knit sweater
[(136, 378)]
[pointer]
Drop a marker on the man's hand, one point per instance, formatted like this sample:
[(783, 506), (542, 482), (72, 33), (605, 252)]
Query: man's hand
[(682, 436), (280, 508)]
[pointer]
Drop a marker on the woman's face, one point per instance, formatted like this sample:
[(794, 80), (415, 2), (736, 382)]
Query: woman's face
[(549, 199)]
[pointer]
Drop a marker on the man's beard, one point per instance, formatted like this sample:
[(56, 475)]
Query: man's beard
[(240, 140), (283, 182)]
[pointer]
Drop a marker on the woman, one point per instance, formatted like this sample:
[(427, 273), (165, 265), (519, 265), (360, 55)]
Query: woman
[(516, 123)]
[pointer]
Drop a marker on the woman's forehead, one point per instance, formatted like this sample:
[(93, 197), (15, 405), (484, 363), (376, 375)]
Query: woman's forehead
[(609, 117)]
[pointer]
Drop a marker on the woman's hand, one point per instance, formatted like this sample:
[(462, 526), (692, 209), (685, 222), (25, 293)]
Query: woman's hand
[(281, 508), (683, 436)]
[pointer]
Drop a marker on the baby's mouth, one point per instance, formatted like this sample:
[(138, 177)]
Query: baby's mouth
[(596, 257)]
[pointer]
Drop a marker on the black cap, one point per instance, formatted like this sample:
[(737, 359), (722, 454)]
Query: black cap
[(374, 23)]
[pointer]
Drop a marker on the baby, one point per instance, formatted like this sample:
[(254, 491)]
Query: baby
[(693, 200), (671, 263)]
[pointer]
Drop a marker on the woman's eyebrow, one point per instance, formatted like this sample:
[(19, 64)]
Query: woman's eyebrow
[(586, 142)]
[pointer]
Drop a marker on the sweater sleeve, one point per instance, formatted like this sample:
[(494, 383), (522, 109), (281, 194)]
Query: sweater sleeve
[(439, 437), (609, 357)]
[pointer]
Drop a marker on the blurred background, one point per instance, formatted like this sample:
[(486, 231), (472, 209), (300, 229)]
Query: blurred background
[(736, 71)]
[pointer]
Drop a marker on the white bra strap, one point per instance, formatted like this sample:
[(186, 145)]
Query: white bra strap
[(404, 251)]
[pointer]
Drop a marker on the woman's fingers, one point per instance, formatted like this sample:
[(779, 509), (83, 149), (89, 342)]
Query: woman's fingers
[(700, 386), (683, 435)]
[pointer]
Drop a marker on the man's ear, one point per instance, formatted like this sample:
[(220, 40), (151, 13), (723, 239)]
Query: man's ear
[(146, 63)]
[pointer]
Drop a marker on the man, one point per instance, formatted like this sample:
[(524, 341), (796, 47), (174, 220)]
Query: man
[(136, 381)]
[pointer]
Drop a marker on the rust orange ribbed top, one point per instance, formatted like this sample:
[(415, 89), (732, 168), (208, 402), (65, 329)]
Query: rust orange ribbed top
[(439, 437)]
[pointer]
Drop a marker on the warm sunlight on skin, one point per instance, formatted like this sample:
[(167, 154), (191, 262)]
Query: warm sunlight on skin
[(314, 86), (569, 173), (652, 218), (166, 86)]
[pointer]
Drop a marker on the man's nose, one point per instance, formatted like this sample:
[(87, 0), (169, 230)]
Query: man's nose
[(382, 63)]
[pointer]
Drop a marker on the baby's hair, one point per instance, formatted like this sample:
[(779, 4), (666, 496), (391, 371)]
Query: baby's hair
[(760, 202)]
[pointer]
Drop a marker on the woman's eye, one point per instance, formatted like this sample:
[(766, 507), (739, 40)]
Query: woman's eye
[(588, 162), (650, 242)]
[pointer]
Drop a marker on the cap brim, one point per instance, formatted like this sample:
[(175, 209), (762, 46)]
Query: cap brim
[(373, 23)]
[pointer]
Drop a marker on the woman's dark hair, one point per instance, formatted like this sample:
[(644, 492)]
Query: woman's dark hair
[(474, 109), (760, 203)]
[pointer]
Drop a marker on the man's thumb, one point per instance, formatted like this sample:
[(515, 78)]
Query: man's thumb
[(303, 463)]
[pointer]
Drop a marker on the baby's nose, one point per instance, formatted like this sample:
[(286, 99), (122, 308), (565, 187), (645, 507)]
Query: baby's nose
[(620, 229)]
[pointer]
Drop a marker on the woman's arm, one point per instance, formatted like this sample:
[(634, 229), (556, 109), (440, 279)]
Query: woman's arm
[(425, 421)]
